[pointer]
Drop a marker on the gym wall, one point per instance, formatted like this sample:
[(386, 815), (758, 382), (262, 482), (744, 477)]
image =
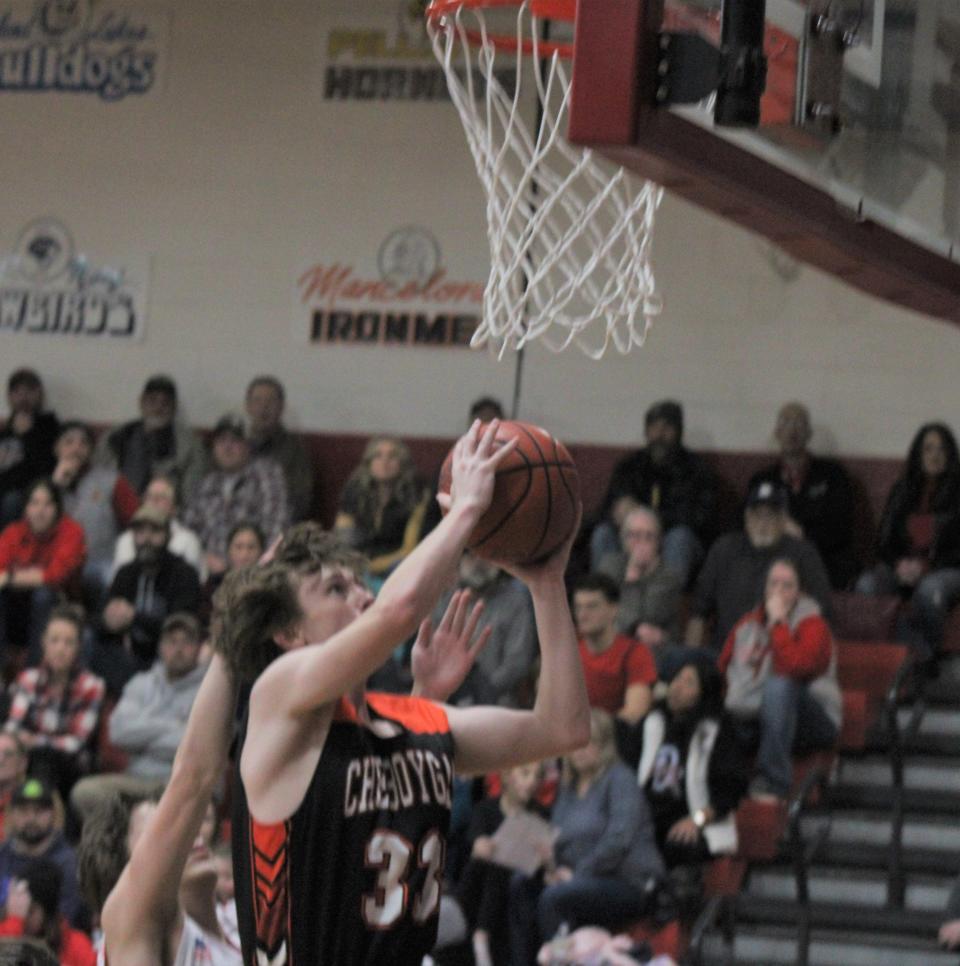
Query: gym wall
[(211, 162)]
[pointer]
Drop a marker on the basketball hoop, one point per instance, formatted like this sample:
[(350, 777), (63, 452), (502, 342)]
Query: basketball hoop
[(569, 235)]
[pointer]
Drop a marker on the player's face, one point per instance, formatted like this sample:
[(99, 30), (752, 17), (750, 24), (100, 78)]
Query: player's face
[(593, 613), (331, 599), (61, 644), (684, 690)]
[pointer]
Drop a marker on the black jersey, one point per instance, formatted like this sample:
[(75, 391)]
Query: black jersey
[(353, 877)]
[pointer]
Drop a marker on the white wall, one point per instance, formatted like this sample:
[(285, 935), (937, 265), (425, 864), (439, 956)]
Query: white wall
[(234, 176)]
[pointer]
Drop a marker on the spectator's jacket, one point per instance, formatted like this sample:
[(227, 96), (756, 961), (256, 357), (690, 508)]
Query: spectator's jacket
[(150, 717), (13, 865), (893, 542), (710, 779), (653, 599), (103, 503), (63, 722), (26, 458), (155, 591), (800, 648), (139, 454), (60, 553), (682, 490), (256, 494)]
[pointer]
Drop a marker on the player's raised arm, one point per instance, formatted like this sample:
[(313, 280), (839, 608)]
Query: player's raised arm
[(488, 738), (143, 905), (307, 678)]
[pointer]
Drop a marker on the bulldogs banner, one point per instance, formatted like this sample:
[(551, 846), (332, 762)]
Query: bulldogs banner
[(109, 50), (49, 289)]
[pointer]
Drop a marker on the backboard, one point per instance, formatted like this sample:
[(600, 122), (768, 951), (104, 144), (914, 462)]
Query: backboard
[(855, 167)]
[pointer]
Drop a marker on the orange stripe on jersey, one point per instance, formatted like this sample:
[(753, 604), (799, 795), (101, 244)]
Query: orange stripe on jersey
[(271, 885), (416, 714)]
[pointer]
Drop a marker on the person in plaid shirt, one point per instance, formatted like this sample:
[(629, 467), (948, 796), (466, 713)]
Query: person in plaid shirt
[(55, 707), (239, 488)]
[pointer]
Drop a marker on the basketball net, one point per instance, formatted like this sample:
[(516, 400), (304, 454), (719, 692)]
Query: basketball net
[(570, 236)]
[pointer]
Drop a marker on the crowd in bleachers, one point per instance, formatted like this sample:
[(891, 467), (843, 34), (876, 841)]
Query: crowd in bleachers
[(708, 657)]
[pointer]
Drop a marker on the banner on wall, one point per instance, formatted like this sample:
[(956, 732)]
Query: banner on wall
[(381, 52), (402, 297), (49, 289), (107, 49)]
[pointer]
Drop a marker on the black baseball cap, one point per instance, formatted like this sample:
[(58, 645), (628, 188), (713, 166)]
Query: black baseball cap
[(34, 791), (161, 383), (767, 494)]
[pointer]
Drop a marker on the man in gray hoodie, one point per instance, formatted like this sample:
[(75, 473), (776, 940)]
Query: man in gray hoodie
[(150, 717)]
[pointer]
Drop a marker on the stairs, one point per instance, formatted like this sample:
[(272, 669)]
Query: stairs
[(863, 911)]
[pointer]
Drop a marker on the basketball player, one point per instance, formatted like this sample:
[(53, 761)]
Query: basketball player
[(142, 863), (344, 798)]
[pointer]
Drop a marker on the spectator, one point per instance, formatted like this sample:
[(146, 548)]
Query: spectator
[(55, 707), (691, 768), (245, 546), (270, 439), (143, 594), (33, 910), (605, 869), (619, 671), (667, 477), (238, 488), (949, 935), (919, 538), (100, 499), (819, 495), (383, 505), (150, 717), (649, 591), (483, 891), (156, 443), (13, 773), (734, 573), (781, 673), (26, 442), (504, 665), (161, 493), (40, 556), (33, 835)]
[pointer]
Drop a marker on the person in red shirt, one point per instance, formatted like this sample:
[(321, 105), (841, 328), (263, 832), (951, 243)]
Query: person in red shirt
[(780, 667), (619, 671), (32, 911), (41, 556)]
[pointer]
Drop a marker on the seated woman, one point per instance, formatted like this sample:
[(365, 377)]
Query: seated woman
[(918, 541), (383, 506), (692, 768), (55, 707), (781, 671), (484, 887), (41, 556), (245, 544), (605, 869)]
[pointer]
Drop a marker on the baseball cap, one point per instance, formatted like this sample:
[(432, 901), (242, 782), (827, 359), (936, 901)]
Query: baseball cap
[(767, 494), (150, 514), (231, 423), (34, 791), (181, 621), (669, 410), (161, 383)]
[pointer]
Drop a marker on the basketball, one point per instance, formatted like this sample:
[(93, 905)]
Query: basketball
[(535, 498)]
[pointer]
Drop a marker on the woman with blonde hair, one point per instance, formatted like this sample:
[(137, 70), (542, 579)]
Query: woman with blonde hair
[(383, 505), (605, 869)]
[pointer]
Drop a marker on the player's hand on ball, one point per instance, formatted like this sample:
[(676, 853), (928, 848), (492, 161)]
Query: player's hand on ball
[(554, 567), (442, 658), (475, 462)]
